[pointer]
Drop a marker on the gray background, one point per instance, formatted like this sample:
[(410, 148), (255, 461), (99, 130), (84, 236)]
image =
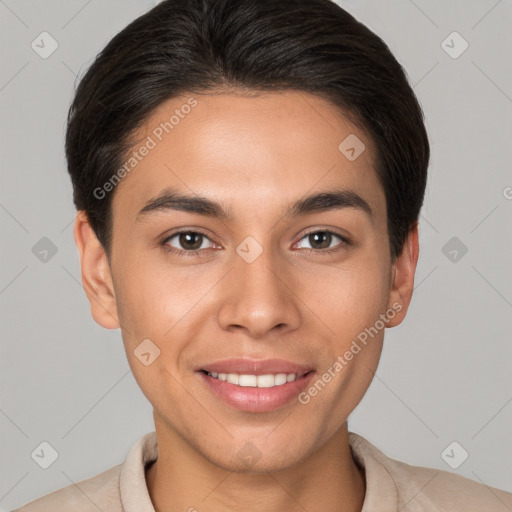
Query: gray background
[(445, 373)]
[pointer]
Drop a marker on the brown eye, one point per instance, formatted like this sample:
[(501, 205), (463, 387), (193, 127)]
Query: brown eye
[(190, 240), (322, 241), (187, 241)]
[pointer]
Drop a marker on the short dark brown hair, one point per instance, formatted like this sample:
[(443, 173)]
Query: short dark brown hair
[(184, 46)]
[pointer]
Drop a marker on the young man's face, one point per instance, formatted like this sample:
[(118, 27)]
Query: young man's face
[(262, 286)]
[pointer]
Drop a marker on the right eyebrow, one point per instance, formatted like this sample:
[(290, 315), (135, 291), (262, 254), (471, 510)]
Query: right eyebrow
[(171, 199)]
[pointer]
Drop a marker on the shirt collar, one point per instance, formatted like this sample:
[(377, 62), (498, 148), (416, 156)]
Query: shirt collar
[(381, 491), (132, 481)]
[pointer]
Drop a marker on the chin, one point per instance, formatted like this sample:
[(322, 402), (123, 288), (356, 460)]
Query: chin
[(247, 457)]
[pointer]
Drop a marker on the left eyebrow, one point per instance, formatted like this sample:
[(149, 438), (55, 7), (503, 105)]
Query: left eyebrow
[(171, 199), (329, 200)]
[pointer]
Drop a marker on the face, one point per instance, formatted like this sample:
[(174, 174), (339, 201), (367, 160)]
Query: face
[(221, 268)]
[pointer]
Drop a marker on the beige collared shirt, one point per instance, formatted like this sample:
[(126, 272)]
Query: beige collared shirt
[(391, 486)]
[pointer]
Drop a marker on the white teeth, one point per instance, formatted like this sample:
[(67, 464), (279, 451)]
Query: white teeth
[(266, 381), (232, 378), (280, 378), (247, 380), (260, 381)]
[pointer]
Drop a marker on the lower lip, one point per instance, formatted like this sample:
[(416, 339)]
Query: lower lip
[(253, 399)]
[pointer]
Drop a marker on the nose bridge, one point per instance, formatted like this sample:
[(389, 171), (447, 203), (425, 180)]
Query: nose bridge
[(257, 297), (257, 267)]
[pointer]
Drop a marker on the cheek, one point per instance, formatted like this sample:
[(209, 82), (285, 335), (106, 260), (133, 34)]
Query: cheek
[(349, 300), (152, 297), (165, 305), (349, 297)]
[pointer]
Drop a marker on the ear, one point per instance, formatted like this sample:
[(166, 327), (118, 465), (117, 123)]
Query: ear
[(402, 280), (96, 274)]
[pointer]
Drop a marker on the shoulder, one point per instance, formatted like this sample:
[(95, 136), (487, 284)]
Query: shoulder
[(427, 489), (100, 492), (437, 489)]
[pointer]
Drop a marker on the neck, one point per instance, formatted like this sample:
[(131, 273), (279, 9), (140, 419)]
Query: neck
[(182, 479)]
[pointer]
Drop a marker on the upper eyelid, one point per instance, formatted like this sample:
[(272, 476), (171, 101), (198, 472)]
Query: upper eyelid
[(321, 231), (181, 232)]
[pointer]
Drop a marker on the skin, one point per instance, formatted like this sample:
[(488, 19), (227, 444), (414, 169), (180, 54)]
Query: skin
[(256, 155)]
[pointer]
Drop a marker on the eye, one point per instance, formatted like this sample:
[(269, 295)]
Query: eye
[(192, 243), (189, 242), (321, 241)]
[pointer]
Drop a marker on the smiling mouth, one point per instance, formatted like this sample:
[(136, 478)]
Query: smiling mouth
[(269, 380)]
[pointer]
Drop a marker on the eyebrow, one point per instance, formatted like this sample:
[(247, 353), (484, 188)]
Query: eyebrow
[(171, 199)]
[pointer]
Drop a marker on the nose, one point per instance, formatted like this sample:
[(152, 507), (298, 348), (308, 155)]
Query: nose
[(259, 298)]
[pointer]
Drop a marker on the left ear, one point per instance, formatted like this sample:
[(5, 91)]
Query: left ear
[(403, 271)]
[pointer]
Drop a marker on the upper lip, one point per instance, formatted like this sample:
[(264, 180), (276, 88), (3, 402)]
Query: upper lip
[(255, 366)]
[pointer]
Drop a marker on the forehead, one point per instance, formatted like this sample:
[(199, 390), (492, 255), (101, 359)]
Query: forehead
[(252, 150)]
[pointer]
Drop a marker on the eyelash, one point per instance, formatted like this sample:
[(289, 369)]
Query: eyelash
[(196, 252)]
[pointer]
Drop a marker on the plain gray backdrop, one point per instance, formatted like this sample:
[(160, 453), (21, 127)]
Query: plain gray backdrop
[(445, 373)]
